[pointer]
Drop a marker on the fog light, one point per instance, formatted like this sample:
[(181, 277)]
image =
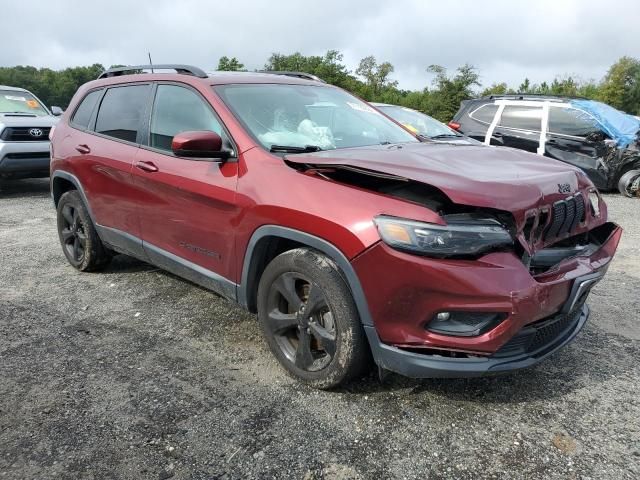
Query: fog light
[(465, 324)]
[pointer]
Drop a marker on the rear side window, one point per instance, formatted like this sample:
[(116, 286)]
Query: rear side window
[(83, 113), (524, 118), (571, 121), (121, 110), (485, 113), (178, 109)]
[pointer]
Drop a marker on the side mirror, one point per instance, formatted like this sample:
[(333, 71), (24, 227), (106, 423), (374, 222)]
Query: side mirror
[(200, 144), (56, 111)]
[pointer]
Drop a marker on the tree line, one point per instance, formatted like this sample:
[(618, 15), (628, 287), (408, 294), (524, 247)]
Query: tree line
[(371, 80)]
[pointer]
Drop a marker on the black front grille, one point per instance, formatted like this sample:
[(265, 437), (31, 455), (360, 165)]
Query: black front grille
[(20, 156), (566, 215), (25, 134), (536, 336)]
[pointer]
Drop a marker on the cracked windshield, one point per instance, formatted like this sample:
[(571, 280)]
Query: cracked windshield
[(309, 118)]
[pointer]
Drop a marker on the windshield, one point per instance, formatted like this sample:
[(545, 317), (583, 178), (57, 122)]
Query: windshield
[(17, 101), (418, 122), (302, 116)]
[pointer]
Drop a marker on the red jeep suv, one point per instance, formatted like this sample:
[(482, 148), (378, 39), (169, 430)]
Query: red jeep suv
[(348, 236)]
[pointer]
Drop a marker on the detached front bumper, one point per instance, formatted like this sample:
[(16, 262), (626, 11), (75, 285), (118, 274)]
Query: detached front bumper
[(514, 357), (543, 313)]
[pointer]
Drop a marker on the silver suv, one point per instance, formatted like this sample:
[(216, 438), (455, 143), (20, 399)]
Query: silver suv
[(24, 134)]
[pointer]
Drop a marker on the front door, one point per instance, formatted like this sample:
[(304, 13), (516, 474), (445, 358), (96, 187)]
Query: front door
[(575, 137), (187, 207)]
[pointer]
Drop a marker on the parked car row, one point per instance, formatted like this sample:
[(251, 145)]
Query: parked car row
[(598, 139), (590, 135), (350, 236)]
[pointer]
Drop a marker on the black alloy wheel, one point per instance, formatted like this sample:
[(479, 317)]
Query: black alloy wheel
[(73, 235), (301, 321)]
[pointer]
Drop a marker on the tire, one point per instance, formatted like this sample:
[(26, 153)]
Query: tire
[(310, 321), (629, 183), (78, 237)]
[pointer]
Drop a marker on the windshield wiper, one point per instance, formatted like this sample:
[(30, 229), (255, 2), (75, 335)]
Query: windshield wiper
[(446, 135), (294, 149)]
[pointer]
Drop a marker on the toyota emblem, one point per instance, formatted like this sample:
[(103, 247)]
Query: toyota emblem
[(36, 132)]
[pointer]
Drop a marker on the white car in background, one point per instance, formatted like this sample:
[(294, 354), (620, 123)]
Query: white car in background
[(25, 124), (424, 125)]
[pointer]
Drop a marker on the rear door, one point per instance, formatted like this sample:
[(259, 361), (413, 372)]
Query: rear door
[(187, 207), (519, 127), (106, 149)]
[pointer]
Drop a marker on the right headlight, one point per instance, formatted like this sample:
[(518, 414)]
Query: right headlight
[(452, 240)]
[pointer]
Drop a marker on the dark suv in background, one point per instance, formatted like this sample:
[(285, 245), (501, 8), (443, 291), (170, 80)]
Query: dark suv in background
[(595, 137)]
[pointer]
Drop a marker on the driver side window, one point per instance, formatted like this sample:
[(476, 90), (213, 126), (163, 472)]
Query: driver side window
[(177, 109)]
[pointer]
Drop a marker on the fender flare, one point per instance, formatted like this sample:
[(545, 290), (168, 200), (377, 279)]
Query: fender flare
[(76, 182), (314, 242)]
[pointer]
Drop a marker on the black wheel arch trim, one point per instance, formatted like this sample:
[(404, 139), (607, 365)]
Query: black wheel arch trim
[(75, 181), (314, 242)]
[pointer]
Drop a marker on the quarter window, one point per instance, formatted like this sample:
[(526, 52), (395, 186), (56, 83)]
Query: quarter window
[(121, 110), (83, 113), (571, 121), (178, 109), (485, 113), (523, 118)]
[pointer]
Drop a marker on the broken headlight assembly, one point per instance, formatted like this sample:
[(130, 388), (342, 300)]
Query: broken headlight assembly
[(469, 239)]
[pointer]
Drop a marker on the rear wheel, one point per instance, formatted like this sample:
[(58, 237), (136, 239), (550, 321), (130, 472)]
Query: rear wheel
[(80, 241), (629, 183), (310, 321)]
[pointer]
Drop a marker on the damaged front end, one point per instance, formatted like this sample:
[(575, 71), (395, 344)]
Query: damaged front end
[(549, 234), (481, 288)]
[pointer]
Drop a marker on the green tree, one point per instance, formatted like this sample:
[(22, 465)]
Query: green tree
[(52, 87), (495, 89), (621, 86), (449, 92), (328, 67), (376, 76), (226, 64)]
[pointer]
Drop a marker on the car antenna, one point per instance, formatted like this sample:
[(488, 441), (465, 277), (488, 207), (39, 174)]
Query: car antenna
[(150, 62)]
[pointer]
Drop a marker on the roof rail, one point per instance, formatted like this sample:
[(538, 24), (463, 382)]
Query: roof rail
[(535, 96), (182, 69), (306, 76)]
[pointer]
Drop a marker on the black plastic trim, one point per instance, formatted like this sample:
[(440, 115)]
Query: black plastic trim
[(416, 365), (314, 242), (73, 179)]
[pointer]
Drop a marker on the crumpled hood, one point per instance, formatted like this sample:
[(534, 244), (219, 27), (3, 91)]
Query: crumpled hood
[(502, 178)]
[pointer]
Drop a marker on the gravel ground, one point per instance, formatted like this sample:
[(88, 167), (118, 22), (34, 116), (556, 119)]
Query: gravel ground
[(134, 373)]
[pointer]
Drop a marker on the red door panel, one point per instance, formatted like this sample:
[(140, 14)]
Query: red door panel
[(104, 169), (188, 208)]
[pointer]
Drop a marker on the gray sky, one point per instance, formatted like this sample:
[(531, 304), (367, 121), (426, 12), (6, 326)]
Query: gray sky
[(507, 40)]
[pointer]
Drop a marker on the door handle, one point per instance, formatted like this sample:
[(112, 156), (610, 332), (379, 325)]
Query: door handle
[(84, 149), (146, 166)]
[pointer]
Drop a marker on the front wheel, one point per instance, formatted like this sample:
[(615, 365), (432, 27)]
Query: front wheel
[(310, 321), (629, 183), (78, 236)]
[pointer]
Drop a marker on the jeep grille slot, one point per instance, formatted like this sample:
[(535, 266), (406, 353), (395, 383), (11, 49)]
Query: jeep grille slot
[(566, 215)]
